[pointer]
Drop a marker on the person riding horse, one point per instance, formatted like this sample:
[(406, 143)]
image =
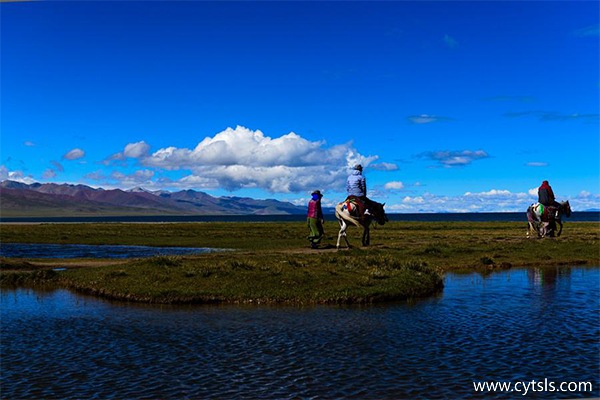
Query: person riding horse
[(546, 195), (547, 199), (356, 187), (544, 216)]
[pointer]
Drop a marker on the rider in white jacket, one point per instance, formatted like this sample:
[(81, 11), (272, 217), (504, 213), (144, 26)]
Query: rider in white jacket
[(356, 184)]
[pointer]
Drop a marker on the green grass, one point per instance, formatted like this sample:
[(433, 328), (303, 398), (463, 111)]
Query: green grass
[(272, 262)]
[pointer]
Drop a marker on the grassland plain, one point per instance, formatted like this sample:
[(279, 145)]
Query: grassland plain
[(271, 261)]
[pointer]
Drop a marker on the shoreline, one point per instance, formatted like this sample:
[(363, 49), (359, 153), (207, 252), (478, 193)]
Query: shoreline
[(507, 216), (273, 264)]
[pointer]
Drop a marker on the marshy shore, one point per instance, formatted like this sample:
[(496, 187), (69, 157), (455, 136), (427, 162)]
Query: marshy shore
[(272, 262)]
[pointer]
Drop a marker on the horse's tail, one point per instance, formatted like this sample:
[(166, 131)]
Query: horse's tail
[(530, 216), (345, 215)]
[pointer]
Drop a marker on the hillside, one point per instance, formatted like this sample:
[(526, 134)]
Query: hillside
[(57, 200)]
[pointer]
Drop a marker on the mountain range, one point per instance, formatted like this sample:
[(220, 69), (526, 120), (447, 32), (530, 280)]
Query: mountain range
[(19, 199)]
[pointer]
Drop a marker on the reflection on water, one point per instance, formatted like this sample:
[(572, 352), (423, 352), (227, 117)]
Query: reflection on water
[(42, 250), (507, 326)]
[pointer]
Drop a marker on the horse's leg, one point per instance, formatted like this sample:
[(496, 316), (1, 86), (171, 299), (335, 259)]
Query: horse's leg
[(559, 222), (343, 227), (533, 227), (543, 229), (340, 233), (366, 239)]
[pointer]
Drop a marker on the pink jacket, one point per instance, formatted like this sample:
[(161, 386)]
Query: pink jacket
[(314, 209)]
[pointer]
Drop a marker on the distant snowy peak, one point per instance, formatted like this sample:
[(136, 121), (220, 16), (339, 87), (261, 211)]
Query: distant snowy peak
[(140, 189)]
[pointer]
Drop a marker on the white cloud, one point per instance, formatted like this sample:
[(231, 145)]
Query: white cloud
[(28, 143), (136, 150), (455, 158), (243, 158), (4, 172), (17, 176), (74, 154), (138, 178), (493, 200), (384, 166), (394, 185), (536, 164), (490, 193), (426, 119), (413, 200)]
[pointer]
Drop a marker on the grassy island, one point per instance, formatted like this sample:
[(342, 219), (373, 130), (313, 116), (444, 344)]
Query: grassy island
[(272, 262)]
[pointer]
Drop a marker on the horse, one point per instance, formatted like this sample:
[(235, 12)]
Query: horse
[(347, 212), (543, 219)]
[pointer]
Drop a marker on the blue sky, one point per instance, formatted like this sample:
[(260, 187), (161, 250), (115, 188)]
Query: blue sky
[(450, 106)]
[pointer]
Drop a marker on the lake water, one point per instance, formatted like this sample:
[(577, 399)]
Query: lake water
[(514, 326), (43, 250)]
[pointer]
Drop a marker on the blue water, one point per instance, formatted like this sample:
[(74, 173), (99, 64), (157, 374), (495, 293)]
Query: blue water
[(593, 216), (41, 250), (516, 325)]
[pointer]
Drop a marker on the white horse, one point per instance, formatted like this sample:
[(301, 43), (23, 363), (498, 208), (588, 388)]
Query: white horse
[(346, 212), (542, 220)]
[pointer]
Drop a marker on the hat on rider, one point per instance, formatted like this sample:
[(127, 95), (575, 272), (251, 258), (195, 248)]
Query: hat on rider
[(358, 167), (316, 194)]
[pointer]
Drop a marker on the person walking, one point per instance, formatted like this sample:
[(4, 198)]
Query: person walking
[(315, 219)]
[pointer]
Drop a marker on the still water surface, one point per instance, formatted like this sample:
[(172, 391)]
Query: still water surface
[(517, 325), (50, 250)]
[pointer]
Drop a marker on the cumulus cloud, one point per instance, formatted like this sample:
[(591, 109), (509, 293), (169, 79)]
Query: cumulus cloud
[(394, 185), (18, 176), (243, 158), (74, 154), (455, 158), (132, 150), (493, 200), (136, 150)]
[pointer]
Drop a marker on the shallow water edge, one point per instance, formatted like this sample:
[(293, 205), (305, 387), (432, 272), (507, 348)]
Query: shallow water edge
[(516, 325)]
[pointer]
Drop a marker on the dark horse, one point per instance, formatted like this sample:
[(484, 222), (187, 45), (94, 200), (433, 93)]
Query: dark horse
[(345, 212), (543, 220)]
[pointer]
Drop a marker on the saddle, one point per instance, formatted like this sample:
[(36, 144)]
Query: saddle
[(547, 213), (356, 206)]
